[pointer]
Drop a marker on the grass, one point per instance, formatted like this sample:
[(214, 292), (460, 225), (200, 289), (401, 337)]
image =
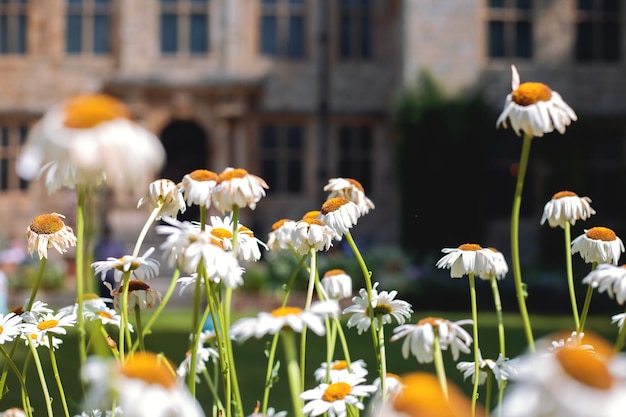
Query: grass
[(170, 338)]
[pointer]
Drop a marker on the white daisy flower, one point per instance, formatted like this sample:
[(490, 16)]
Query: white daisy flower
[(570, 381), (199, 186), (533, 108), (140, 267), (598, 245), (313, 214), (566, 207), (311, 234), (236, 187), (334, 398), (280, 236), (166, 195), (339, 368), (501, 369), (618, 319), (140, 294), (271, 412), (468, 258), (383, 305), (91, 301), (179, 236), (609, 278), (10, 327), (293, 317), (247, 248), (89, 139), (393, 385), (38, 309), (203, 355), (143, 385), (340, 214), (419, 338), (105, 315), (13, 412), (352, 190), (49, 231), (337, 284), (498, 269), (38, 328)]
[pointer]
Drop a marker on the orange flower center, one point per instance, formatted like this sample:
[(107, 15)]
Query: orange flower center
[(470, 247), (203, 175), (277, 225), (339, 366), (601, 233), (136, 285), (149, 367), (562, 194), (105, 315), (531, 93), (221, 233), (356, 184), (133, 265), (334, 272), (233, 173), (285, 311), (336, 391), (313, 214), (586, 367), (47, 324), (433, 321), (47, 224), (89, 110), (334, 204), (312, 221), (1, 329)]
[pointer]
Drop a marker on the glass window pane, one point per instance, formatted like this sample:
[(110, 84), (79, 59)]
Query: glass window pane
[(23, 134), (294, 138), (4, 172), (169, 33), (74, 1), (584, 43), (523, 40), (4, 32), (269, 1), (269, 35), (345, 36), (21, 34), (496, 3), (102, 1), (294, 176), (4, 137), (585, 4), (610, 41), (269, 171), (524, 4), (199, 33), (268, 138), (496, 39), (295, 45), (73, 34), (101, 25), (611, 6), (366, 42)]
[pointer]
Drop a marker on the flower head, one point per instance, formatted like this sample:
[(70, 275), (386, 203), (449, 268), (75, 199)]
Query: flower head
[(140, 267), (534, 108), (10, 327), (338, 369), (38, 328), (352, 190), (140, 295), (501, 369), (199, 187), (384, 307), (498, 269), (165, 195), (89, 139), (340, 214), (609, 278), (333, 398), (311, 234), (49, 231), (337, 284), (222, 232), (566, 207), (419, 338), (236, 187), (280, 236), (599, 245), (468, 258)]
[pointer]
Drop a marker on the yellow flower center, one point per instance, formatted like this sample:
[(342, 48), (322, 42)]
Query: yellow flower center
[(313, 214), (203, 175), (285, 311), (562, 194), (88, 110), (221, 233), (586, 367), (339, 366), (90, 296), (277, 225), (334, 204), (601, 233), (105, 315), (133, 265), (470, 247), (244, 230), (336, 391), (149, 367), (334, 272), (233, 174), (136, 285), (312, 221), (1, 329), (356, 184), (421, 395), (47, 224), (47, 324), (531, 93), (382, 309), (433, 321)]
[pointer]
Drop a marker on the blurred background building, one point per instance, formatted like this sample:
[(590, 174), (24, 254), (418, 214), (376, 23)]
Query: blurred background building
[(298, 91)]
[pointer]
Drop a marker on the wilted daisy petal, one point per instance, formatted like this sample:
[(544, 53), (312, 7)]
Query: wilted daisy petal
[(352, 190), (236, 187), (598, 245), (609, 278), (165, 195), (280, 236), (337, 284), (49, 231), (140, 267), (311, 234)]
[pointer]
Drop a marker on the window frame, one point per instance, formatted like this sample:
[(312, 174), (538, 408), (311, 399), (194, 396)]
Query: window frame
[(283, 12), (15, 13), (184, 12), (357, 12), (598, 18), (283, 157), (87, 12), (12, 137), (512, 19)]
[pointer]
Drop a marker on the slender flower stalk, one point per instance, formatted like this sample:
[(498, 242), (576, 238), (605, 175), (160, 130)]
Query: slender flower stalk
[(293, 370), (42, 377), (472, 283), (621, 339), (586, 304), (57, 376), (498, 305), (307, 305), (570, 274), (440, 369), (80, 273)]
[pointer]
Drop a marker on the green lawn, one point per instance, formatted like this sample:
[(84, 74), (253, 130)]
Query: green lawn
[(170, 337)]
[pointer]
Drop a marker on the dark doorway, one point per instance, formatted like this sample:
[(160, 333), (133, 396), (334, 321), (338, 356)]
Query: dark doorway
[(186, 147)]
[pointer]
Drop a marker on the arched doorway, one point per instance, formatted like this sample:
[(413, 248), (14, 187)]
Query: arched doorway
[(186, 147)]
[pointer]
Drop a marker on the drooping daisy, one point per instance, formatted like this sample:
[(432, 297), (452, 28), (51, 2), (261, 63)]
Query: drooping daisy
[(166, 195), (293, 317), (199, 186), (419, 338), (236, 187), (140, 267), (570, 381), (352, 190), (311, 234), (566, 207), (468, 258), (384, 307), (280, 236), (598, 245), (89, 139), (49, 231), (313, 214), (339, 368), (144, 385), (534, 108), (38, 328), (247, 248), (498, 269), (609, 278), (501, 369), (334, 398), (340, 214), (10, 327), (337, 284), (140, 295)]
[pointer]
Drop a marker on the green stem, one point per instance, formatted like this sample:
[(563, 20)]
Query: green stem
[(439, 366), (42, 378), (307, 304), (383, 362), (488, 392), (33, 294), (195, 322), (18, 374), (80, 271), (293, 371), (213, 389), (498, 304), (269, 373), (144, 231), (585, 312), (472, 283), (124, 316), (142, 347), (57, 376), (570, 274)]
